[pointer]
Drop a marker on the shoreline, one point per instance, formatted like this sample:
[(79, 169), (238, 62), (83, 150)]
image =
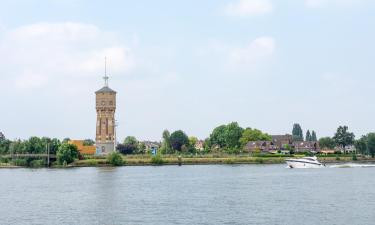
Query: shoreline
[(234, 160)]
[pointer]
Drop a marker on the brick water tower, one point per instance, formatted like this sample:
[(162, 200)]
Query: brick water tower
[(105, 119)]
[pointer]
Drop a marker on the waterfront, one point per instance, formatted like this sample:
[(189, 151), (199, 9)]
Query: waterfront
[(204, 194)]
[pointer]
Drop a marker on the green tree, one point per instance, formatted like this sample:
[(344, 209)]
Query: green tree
[(308, 135), (166, 146), (192, 141), (343, 138), (361, 145), (327, 143), (226, 136), (297, 132), (179, 139), (313, 136), (35, 145), (88, 142), (67, 153), (131, 144), (66, 140), (371, 144), (4, 144), (141, 148), (253, 135)]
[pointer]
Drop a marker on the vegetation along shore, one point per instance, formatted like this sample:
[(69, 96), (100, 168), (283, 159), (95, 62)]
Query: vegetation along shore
[(227, 144)]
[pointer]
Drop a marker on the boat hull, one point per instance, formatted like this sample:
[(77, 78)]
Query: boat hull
[(296, 164)]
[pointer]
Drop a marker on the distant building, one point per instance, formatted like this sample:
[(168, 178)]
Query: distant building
[(306, 146), (282, 143), (199, 145), (83, 149), (151, 145)]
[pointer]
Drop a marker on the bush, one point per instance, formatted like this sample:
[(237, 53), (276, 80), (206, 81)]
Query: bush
[(157, 160), (259, 160), (354, 157), (338, 158), (66, 154), (19, 162), (37, 163), (92, 162), (115, 159)]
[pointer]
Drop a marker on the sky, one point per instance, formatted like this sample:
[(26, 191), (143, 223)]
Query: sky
[(190, 65)]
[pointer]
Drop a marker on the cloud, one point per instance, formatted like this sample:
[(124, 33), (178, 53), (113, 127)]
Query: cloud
[(258, 49), (332, 3), (38, 54), (249, 8)]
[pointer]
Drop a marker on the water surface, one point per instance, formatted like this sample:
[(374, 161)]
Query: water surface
[(205, 194)]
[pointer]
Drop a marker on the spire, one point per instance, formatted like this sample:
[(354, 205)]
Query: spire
[(105, 72)]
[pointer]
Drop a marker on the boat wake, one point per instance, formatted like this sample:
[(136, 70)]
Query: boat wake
[(351, 165)]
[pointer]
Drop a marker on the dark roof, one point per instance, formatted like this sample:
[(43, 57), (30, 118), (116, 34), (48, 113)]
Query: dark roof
[(105, 90)]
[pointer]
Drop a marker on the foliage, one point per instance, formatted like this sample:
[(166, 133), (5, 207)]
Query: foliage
[(125, 149), (166, 146), (361, 145), (141, 148), (157, 160), (37, 163), (4, 144), (371, 144), (308, 136), (66, 153), (313, 136), (253, 135), (115, 159), (343, 138), (327, 143), (88, 142), (226, 136), (178, 139), (193, 140), (130, 146), (66, 140), (297, 132)]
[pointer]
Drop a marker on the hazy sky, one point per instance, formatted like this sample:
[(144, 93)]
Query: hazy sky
[(189, 65)]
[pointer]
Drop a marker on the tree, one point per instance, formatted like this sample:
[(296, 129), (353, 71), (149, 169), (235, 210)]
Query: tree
[(253, 135), (308, 135), (343, 138), (131, 145), (141, 148), (35, 145), (371, 144), (297, 132), (226, 136), (192, 141), (361, 145), (125, 149), (166, 145), (178, 139), (2, 136), (313, 136), (327, 143), (66, 140), (88, 142), (67, 153)]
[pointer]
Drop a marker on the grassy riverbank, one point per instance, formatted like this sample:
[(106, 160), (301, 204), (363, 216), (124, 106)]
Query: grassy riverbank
[(142, 160), (145, 160)]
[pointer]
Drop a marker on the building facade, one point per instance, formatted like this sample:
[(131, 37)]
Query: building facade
[(105, 119)]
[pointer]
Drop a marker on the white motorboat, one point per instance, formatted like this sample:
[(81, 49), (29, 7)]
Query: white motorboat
[(305, 162)]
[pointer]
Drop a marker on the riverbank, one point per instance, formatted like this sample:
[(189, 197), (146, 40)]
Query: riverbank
[(147, 160), (141, 160)]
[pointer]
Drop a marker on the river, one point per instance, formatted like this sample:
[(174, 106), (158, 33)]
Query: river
[(204, 194)]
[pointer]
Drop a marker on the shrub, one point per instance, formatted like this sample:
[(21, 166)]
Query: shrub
[(37, 163), (157, 160), (115, 159), (338, 158), (92, 162), (259, 160), (19, 162), (66, 154), (354, 157)]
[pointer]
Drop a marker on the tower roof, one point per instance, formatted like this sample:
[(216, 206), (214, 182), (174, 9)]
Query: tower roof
[(105, 89)]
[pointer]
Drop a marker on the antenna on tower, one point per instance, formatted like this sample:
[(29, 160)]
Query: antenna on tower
[(105, 72)]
